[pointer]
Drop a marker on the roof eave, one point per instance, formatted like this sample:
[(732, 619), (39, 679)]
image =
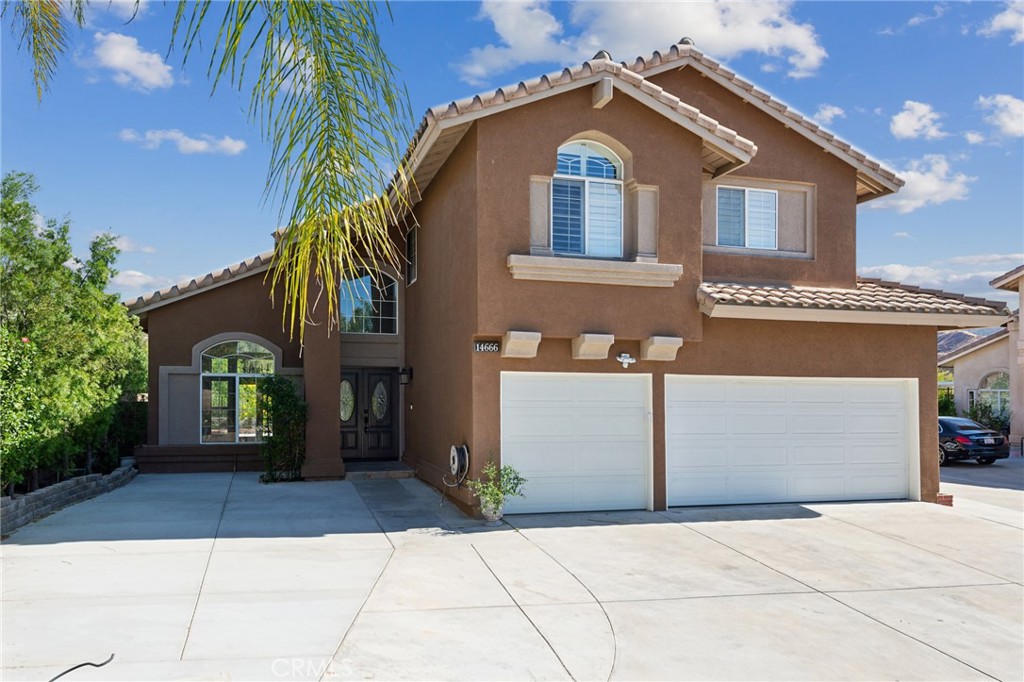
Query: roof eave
[(720, 310), (958, 353)]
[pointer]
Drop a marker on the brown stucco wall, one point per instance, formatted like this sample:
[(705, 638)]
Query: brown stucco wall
[(522, 142), (440, 317), (781, 155), (240, 306), (737, 347)]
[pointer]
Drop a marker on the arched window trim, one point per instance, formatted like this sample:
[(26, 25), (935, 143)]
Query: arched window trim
[(599, 198), (379, 320), (236, 387), (998, 398)]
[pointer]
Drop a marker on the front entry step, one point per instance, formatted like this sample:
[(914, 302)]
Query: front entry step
[(368, 471)]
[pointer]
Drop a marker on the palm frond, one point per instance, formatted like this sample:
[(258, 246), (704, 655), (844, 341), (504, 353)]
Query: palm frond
[(43, 32), (327, 101)]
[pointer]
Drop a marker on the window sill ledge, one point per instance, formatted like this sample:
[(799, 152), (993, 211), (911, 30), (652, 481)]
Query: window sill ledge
[(592, 271)]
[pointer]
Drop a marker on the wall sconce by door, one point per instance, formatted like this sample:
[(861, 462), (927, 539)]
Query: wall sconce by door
[(405, 376)]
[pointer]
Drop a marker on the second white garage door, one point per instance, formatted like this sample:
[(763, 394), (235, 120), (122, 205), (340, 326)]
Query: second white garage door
[(581, 440), (734, 440)]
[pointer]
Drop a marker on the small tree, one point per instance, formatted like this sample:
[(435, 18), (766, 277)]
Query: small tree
[(283, 415)]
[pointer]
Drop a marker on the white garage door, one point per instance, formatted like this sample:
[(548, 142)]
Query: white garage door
[(582, 440), (734, 440)]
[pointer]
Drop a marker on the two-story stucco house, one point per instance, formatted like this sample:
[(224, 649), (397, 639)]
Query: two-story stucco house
[(635, 283)]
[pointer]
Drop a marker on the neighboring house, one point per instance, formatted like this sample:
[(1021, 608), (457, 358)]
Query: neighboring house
[(1014, 281), (981, 373), (636, 284)]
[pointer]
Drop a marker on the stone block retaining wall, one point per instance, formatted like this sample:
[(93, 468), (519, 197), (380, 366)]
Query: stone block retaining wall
[(15, 512)]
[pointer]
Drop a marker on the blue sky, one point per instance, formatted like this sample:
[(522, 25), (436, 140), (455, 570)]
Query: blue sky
[(129, 141)]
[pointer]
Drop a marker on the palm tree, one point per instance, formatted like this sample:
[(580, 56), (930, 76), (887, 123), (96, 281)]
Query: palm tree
[(327, 101)]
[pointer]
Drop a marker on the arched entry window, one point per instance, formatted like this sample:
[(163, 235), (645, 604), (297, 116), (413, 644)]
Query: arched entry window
[(994, 391), (586, 201), (369, 304), (231, 371)]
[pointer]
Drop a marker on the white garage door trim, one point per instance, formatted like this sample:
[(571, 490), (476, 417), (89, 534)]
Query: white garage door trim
[(750, 397), (529, 400)]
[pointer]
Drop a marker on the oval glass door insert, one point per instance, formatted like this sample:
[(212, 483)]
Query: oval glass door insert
[(348, 400), (379, 402)]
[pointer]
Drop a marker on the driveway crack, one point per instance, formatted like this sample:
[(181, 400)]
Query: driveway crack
[(206, 569)]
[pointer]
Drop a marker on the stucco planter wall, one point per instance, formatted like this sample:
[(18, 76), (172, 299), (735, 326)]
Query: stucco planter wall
[(15, 512)]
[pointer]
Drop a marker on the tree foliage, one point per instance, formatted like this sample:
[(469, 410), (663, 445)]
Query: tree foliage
[(69, 351), (326, 99), (283, 415)]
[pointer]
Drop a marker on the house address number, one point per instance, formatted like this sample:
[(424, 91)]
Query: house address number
[(487, 346)]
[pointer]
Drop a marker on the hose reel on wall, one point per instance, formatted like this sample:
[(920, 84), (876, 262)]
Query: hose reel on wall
[(458, 465)]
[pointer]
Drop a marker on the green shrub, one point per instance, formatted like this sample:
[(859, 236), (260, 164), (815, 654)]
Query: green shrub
[(986, 415), (947, 407), (495, 486), (282, 416)]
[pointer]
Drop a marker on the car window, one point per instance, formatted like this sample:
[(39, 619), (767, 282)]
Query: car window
[(966, 425)]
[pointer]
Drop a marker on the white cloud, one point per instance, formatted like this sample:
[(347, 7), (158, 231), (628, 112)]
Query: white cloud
[(129, 245), (968, 275), (1006, 114), (131, 65), (135, 280), (827, 113), (1010, 19), (902, 235), (929, 182), (204, 144), (937, 13), (974, 137), (529, 33), (917, 120)]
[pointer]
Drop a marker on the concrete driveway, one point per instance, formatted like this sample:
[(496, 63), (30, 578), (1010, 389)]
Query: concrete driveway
[(216, 577)]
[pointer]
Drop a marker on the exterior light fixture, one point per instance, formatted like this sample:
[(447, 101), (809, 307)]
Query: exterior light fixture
[(626, 359), (405, 376)]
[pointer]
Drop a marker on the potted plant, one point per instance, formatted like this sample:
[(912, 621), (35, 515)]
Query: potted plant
[(494, 487)]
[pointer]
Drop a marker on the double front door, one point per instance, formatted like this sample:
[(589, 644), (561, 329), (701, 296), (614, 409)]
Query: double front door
[(369, 422)]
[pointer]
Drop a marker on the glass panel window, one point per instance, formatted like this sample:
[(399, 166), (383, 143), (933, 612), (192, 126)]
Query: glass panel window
[(994, 391), (586, 202), (747, 218), (567, 216), (230, 383), (369, 304)]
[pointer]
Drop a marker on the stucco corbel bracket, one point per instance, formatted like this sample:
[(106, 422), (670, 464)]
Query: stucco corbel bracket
[(603, 91), (662, 348), (517, 344), (592, 346)]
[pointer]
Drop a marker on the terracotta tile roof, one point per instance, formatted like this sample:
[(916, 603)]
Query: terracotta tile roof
[(251, 266), (871, 295), (682, 54), (567, 76)]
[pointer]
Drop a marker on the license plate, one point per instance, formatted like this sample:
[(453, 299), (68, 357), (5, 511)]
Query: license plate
[(990, 441)]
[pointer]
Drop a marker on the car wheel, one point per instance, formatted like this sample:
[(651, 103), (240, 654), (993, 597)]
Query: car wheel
[(943, 459), (986, 460)]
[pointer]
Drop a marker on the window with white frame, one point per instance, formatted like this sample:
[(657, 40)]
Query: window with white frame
[(994, 391), (369, 304), (748, 218), (231, 371), (586, 202)]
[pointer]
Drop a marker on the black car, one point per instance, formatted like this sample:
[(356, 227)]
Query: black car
[(965, 439)]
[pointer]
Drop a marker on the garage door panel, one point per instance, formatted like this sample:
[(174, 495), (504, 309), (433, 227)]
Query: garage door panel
[(687, 424), (582, 441), (813, 393), (765, 423), (700, 393), (833, 439), (757, 455), (818, 454), (818, 423)]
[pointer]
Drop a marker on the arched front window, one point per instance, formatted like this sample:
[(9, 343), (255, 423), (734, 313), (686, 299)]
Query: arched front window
[(994, 390), (231, 371), (586, 201), (369, 304)]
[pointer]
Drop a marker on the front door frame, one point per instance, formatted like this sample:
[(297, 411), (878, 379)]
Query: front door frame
[(367, 435)]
